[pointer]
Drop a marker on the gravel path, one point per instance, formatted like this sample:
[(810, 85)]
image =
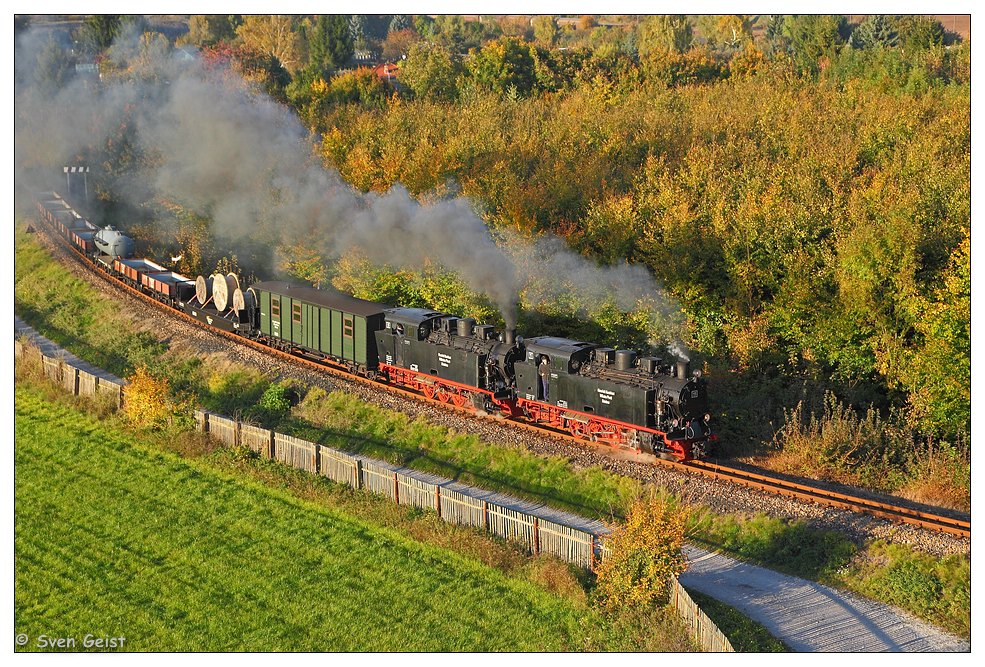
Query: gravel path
[(809, 617)]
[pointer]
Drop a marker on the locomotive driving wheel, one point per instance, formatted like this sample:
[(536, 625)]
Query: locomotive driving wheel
[(428, 391)]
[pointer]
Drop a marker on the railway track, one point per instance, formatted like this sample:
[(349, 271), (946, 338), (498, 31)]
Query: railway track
[(759, 481), (814, 494)]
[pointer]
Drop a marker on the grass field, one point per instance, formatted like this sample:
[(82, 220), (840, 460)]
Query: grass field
[(115, 540)]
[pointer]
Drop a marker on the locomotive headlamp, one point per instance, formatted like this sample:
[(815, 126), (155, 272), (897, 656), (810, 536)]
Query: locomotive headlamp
[(707, 417), (697, 374)]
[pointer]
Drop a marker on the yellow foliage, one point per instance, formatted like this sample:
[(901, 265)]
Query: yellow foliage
[(147, 400), (643, 556)]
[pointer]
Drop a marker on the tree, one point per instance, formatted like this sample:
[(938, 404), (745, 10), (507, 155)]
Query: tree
[(274, 35), (940, 371), (587, 22), (504, 65), (398, 44), (330, 44), (813, 37), (53, 68), (98, 32), (399, 22), (208, 29), (431, 72), (264, 70), (357, 28), (152, 52), (425, 26), (643, 555), (515, 26), (546, 30), (729, 30), (664, 33), (876, 31), (919, 32)]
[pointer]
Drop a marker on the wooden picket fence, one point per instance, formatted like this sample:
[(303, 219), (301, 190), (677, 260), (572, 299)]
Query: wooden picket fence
[(78, 378), (461, 505)]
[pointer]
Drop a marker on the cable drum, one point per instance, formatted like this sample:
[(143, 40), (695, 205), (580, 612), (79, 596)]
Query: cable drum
[(243, 300), (203, 290), (223, 288)]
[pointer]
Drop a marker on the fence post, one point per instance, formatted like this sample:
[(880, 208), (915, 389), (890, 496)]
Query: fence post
[(206, 428), (358, 470), (536, 537), (437, 499), (316, 459), (237, 440), (270, 445), (485, 515), (591, 553), (396, 488)]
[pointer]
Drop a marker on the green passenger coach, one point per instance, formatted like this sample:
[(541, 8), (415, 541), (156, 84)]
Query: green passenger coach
[(324, 323)]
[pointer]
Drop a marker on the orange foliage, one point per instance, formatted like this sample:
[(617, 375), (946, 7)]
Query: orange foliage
[(147, 400), (643, 556)]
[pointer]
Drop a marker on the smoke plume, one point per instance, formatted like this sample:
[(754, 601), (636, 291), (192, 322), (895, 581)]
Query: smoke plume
[(232, 154)]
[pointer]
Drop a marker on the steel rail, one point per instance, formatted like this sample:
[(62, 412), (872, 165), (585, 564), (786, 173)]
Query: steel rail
[(770, 484), (784, 487)]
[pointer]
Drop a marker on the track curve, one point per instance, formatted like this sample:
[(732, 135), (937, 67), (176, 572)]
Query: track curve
[(762, 482)]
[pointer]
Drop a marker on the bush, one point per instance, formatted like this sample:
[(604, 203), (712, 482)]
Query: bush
[(147, 400), (643, 556)]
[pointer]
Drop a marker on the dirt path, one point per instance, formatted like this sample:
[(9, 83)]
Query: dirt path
[(809, 617)]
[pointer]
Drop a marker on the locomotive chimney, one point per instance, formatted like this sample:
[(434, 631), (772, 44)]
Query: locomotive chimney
[(509, 336), (683, 370)]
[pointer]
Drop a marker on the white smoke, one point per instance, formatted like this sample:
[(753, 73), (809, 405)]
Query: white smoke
[(219, 147)]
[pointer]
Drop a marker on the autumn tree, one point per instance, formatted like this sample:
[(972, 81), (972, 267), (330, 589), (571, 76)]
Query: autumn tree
[(275, 35), (643, 555), (398, 44), (940, 371), (546, 30), (664, 33), (728, 30), (505, 65), (587, 22), (430, 72), (208, 29)]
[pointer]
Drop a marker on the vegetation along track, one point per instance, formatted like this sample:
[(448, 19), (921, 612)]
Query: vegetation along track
[(760, 481)]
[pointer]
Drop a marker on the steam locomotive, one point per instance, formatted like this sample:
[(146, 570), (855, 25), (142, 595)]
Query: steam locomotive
[(595, 393)]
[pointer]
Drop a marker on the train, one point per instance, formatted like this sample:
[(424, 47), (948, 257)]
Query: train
[(592, 392)]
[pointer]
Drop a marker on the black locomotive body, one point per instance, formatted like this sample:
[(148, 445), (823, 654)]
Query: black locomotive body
[(447, 357), (611, 396)]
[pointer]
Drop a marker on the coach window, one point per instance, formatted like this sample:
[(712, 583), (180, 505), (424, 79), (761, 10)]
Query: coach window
[(296, 313), (275, 306), (347, 327)]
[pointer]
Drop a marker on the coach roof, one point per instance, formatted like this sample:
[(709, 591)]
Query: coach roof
[(319, 297)]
